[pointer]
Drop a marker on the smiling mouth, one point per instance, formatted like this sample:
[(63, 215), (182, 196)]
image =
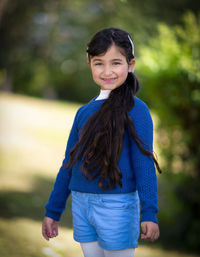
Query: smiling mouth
[(109, 80)]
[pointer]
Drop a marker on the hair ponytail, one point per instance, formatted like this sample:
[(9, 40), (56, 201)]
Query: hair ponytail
[(101, 141)]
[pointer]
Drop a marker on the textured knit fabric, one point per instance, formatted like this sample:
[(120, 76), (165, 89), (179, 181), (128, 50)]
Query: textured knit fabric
[(138, 170)]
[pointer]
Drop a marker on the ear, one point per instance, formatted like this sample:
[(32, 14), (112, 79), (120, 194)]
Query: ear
[(131, 65), (89, 63)]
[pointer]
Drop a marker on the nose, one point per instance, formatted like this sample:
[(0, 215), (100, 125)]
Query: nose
[(107, 70)]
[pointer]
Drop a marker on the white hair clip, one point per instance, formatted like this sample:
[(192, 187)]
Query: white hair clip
[(87, 54), (131, 44), (132, 49)]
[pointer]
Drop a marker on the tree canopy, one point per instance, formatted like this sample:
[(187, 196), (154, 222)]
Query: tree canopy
[(170, 68)]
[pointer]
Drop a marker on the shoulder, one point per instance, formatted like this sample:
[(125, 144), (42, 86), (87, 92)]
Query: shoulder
[(140, 113), (140, 107), (85, 111), (85, 107), (140, 104)]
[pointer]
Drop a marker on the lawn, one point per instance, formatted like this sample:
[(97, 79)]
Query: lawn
[(33, 136)]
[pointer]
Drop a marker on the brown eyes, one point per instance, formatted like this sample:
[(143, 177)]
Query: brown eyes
[(99, 63)]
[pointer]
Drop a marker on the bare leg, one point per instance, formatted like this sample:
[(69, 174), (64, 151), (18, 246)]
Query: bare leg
[(120, 253), (92, 249)]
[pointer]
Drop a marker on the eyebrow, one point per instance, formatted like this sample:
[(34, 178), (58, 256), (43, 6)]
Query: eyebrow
[(100, 60)]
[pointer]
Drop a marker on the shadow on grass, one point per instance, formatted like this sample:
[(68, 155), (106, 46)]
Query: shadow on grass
[(14, 204)]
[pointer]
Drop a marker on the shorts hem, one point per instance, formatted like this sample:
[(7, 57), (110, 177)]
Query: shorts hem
[(85, 239)]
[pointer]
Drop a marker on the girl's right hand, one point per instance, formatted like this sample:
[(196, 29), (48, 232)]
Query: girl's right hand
[(49, 228)]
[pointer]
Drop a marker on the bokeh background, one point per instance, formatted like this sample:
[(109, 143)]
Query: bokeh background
[(44, 79)]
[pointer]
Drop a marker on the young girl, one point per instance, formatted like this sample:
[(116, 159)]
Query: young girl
[(109, 161)]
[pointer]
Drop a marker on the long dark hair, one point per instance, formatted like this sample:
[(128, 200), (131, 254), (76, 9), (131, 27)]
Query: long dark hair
[(101, 138)]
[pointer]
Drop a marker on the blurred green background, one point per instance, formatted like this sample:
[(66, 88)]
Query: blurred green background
[(44, 78)]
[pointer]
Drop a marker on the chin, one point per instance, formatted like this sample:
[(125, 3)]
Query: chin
[(110, 87)]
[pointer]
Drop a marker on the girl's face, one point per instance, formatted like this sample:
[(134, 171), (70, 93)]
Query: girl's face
[(110, 70)]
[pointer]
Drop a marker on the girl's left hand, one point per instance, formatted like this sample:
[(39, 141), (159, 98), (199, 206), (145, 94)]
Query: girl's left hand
[(150, 231), (49, 228)]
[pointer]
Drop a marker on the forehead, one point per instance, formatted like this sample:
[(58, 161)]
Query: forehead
[(113, 52)]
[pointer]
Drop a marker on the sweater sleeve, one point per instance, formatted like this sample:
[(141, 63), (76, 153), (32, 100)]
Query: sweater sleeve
[(145, 173), (57, 200)]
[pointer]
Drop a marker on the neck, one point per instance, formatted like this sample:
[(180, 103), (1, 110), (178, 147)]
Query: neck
[(104, 94)]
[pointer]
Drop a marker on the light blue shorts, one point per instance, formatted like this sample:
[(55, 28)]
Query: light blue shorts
[(110, 219)]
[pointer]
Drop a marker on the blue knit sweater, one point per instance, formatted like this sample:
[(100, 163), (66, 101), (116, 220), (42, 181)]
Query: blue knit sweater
[(138, 170)]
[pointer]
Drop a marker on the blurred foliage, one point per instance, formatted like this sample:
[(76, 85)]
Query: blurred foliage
[(170, 68), (170, 72), (43, 43)]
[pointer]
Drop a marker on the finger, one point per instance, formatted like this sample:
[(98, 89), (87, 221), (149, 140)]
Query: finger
[(157, 235), (148, 231), (149, 234), (55, 231), (144, 228), (143, 236), (153, 237), (49, 230), (44, 232)]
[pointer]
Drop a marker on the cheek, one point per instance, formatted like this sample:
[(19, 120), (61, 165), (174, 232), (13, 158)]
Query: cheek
[(122, 72), (95, 73)]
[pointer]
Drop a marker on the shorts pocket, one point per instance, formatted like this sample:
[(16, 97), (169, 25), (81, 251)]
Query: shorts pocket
[(118, 204)]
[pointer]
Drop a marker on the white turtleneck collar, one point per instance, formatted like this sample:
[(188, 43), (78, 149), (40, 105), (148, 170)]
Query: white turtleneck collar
[(104, 94)]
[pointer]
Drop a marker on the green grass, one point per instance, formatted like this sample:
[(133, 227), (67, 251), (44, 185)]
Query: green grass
[(33, 136)]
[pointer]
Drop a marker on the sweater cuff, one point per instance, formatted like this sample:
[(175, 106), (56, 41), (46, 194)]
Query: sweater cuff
[(53, 215), (149, 216)]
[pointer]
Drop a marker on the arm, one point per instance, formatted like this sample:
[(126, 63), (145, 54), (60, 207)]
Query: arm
[(145, 173), (57, 201)]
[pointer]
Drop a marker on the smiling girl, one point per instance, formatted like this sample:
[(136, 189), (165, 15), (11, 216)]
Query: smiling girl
[(110, 70), (109, 165)]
